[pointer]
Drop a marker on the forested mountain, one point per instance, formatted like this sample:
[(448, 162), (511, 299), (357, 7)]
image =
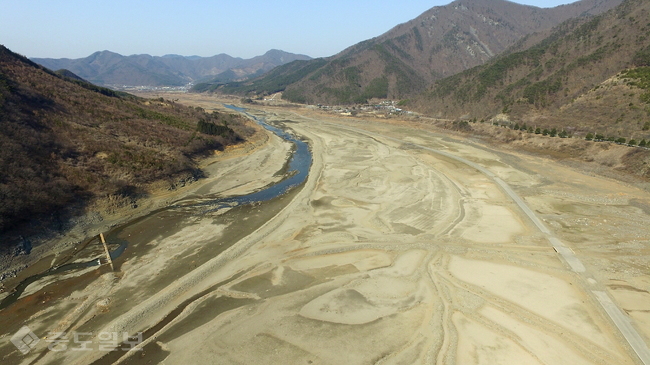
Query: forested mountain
[(587, 75), (441, 42)]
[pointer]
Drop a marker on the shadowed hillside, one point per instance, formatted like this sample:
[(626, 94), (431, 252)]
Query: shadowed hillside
[(65, 141)]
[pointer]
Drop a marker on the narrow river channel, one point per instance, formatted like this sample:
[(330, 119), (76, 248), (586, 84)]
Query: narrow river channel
[(297, 172)]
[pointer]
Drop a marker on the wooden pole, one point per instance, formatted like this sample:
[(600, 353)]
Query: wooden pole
[(108, 254)]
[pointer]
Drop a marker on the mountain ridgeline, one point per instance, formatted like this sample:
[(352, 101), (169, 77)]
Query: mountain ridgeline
[(586, 75), (404, 61), (112, 69), (67, 143)]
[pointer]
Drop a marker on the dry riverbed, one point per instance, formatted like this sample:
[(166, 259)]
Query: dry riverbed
[(389, 254)]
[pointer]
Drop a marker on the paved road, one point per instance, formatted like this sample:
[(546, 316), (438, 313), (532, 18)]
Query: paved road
[(622, 322), (624, 325)]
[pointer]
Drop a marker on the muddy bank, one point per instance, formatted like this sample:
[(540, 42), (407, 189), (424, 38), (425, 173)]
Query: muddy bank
[(62, 237)]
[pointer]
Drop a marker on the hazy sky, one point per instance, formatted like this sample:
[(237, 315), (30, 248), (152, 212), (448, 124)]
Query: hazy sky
[(240, 28)]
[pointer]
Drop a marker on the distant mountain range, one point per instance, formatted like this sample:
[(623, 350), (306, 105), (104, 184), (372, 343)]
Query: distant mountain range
[(112, 69), (406, 60)]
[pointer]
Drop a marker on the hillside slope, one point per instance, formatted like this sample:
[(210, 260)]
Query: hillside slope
[(112, 69), (441, 42), (65, 141), (576, 79)]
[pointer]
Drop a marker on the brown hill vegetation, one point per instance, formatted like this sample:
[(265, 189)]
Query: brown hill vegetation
[(579, 92), (65, 141), (587, 76)]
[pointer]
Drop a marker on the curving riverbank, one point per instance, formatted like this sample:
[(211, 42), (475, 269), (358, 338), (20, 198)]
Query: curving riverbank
[(402, 246), (297, 170)]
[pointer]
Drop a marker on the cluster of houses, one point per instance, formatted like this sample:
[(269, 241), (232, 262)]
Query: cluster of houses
[(145, 88), (384, 108)]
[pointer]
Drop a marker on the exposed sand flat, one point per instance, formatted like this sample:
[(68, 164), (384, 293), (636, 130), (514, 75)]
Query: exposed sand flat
[(478, 345), (490, 225), (389, 254), (547, 348), (550, 297)]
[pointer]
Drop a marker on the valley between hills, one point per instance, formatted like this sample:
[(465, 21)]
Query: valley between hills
[(470, 187), (396, 249)]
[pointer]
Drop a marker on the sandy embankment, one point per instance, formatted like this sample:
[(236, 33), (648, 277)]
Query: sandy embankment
[(401, 257), (238, 170), (392, 254), (103, 215), (404, 257)]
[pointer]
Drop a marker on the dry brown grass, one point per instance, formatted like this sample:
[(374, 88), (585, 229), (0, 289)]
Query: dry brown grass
[(64, 143), (606, 158)]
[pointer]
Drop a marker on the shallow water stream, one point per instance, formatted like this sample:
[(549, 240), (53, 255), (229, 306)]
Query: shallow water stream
[(297, 172)]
